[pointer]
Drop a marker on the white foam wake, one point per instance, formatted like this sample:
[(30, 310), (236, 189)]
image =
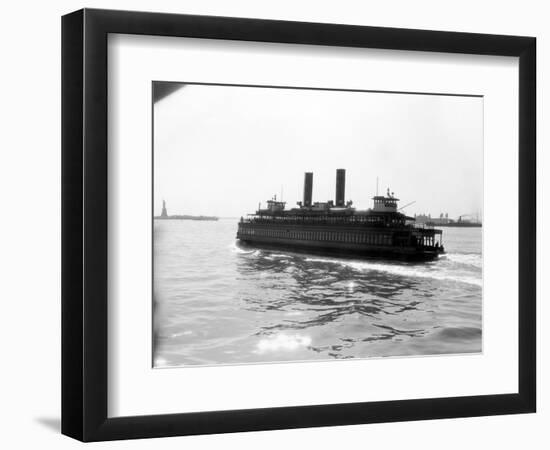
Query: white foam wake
[(471, 259), (405, 270), (236, 249)]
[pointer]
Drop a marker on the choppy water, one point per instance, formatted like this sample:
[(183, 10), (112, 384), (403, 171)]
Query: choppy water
[(217, 303)]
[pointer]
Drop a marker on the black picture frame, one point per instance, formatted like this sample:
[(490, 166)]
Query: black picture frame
[(84, 224)]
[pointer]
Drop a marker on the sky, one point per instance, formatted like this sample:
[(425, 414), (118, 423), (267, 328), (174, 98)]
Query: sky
[(220, 150)]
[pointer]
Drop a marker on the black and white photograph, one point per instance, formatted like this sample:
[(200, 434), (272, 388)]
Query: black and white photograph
[(297, 224)]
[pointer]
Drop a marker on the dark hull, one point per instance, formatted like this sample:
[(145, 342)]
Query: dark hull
[(345, 250)]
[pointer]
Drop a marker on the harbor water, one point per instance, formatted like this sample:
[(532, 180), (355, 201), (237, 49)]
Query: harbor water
[(218, 303)]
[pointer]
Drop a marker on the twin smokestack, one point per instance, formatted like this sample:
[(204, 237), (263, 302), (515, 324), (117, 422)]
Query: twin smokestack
[(340, 187)]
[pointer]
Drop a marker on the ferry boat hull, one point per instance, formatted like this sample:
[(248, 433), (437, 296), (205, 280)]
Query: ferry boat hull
[(342, 249), (345, 251)]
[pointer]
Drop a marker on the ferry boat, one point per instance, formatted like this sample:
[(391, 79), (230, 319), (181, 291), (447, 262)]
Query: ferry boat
[(337, 228)]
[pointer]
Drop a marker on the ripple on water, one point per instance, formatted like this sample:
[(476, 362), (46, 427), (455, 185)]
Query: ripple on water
[(219, 303)]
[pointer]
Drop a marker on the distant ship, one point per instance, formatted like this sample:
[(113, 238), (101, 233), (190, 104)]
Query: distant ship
[(336, 228), (164, 216), (459, 224), (444, 221)]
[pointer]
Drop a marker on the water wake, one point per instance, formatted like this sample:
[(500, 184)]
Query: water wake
[(432, 272), (469, 259)]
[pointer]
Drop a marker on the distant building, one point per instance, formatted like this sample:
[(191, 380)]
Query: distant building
[(164, 215), (443, 219)]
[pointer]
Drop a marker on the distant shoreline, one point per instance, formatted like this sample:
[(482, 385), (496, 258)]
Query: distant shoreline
[(186, 217)]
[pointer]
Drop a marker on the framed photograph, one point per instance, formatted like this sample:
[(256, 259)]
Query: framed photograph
[(272, 224)]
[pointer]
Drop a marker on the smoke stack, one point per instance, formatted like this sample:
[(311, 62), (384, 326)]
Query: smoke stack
[(340, 187), (308, 188)]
